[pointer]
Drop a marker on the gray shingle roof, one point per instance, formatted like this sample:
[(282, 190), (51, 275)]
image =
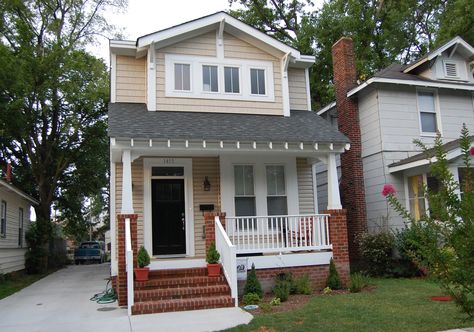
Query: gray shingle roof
[(128, 120)]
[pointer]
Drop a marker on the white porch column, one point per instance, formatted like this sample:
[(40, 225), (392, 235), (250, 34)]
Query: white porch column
[(334, 198), (127, 196)]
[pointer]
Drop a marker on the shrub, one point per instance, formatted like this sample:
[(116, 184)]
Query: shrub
[(407, 243), (251, 298), (212, 254), (287, 277), (376, 251), (358, 282), (281, 289), (252, 285), (143, 259), (333, 281), (36, 256), (275, 301), (327, 291), (303, 285)]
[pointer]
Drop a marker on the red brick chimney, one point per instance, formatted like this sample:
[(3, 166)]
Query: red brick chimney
[(8, 175), (352, 174)]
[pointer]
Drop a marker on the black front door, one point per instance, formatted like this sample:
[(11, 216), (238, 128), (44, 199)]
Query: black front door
[(168, 213)]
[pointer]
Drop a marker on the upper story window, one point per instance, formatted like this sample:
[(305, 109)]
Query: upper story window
[(428, 112), (231, 79), (182, 77), (3, 219), (257, 79), (209, 78)]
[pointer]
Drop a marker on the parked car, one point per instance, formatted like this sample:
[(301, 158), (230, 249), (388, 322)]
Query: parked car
[(93, 251)]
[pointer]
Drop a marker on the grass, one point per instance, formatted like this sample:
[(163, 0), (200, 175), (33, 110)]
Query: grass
[(395, 305), (13, 283)]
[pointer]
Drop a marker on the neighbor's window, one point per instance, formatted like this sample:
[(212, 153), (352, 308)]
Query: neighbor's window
[(3, 219), (209, 78), (415, 196), (20, 227), (244, 193), (427, 109), (462, 176), (182, 76), (231, 79), (257, 81)]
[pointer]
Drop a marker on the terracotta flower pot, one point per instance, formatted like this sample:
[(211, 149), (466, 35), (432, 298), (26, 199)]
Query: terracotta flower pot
[(213, 270), (141, 274)]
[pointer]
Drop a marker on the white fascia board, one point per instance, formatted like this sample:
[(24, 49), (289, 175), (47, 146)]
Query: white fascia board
[(326, 108), (215, 19), (412, 83), (19, 192)]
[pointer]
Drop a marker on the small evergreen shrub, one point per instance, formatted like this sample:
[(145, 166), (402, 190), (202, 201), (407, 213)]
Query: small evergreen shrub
[(358, 282), (252, 285), (327, 291), (212, 254), (281, 289), (333, 281), (287, 277), (302, 285), (251, 298), (143, 259), (376, 251)]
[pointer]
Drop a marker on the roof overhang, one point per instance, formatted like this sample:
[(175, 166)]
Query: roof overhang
[(326, 108), (457, 44), (17, 191)]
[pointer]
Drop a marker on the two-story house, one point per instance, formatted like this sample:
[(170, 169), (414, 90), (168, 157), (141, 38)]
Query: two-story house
[(387, 112), (212, 138)]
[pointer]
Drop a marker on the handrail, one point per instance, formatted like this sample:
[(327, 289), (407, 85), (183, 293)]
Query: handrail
[(228, 258), (129, 266)]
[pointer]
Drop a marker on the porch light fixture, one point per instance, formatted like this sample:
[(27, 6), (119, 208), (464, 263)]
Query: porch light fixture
[(206, 184)]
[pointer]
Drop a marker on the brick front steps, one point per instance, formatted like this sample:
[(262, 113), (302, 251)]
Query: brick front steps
[(179, 290)]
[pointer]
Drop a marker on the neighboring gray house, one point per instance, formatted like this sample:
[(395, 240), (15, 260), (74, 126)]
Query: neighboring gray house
[(402, 103), (15, 208)]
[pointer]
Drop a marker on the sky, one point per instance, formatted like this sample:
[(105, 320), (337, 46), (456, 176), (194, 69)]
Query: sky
[(146, 16)]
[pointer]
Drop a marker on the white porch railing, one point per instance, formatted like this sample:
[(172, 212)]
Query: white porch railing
[(228, 258), (264, 234), (129, 266)]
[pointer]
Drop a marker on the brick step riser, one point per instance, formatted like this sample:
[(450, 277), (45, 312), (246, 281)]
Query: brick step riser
[(180, 273), (150, 308), (179, 283), (160, 296)]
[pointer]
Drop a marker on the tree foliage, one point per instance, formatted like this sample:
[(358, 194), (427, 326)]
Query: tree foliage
[(384, 31), (445, 236), (53, 100)]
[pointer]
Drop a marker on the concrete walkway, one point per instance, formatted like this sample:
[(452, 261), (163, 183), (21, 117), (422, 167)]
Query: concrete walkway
[(60, 302)]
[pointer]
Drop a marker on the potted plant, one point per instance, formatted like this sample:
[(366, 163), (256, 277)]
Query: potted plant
[(212, 259), (143, 260)]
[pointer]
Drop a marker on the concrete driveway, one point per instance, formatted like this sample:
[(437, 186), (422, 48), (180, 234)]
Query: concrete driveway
[(60, 302)]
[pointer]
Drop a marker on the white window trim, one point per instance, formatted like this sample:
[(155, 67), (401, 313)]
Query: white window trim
[(437, 112), (148, 163), (196, 91)]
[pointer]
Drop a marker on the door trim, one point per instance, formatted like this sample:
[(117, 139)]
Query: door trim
[(187, 164)]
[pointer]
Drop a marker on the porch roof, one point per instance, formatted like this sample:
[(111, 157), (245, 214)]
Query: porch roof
[(127, 120)]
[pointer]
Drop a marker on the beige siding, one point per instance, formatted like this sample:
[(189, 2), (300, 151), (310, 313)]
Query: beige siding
[(130, 79), (12, 260), (203, 167), (205, 45), (297, 88), (305, 186)]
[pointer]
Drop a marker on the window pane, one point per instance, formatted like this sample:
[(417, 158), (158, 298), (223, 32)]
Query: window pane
[(415, 195), (209, 78), (257, 80), (277, 205), (235, 80), (231, 79), (426, 101), (186, 77), (243, 177), (428, 122), (248, 179), (275, 180), (239, 180), (167, 171), (261, 82), (254, 81), (178, 76), (244, 206)]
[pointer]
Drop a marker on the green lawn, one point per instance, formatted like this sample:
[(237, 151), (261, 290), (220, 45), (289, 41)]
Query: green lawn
[(395, 305), (13, 284)]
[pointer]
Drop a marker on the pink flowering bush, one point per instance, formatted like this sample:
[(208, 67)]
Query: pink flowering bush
[(471, 151), (388, 189)]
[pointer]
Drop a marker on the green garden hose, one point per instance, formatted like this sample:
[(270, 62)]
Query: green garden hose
[(107, 296)]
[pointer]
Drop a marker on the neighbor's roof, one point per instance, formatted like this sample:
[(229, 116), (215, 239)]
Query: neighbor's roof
[(127, 120), (17, 191), (426, 156)]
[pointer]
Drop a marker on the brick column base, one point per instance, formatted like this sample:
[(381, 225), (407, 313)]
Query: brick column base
[(210, 228), (340, 244), (121, 279)]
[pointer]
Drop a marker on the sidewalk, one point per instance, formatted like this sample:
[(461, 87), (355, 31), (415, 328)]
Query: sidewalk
[(60, 302)]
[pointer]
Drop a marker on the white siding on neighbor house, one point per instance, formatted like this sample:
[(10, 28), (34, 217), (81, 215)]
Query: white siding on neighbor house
[(305, 186), (369, 122), (11, 254), (205, 45), (297, 88), (130, 79)]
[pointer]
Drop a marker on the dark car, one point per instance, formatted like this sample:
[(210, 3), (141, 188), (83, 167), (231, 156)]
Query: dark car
[(93, 251)]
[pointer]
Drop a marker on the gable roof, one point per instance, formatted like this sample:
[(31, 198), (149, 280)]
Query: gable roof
[(301, 126), (457, 43), (17, 191), (452, 149)]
